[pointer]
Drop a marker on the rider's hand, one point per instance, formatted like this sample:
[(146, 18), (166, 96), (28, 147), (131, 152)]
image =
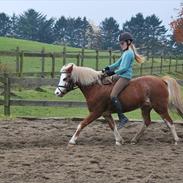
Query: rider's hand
[(107, 72), (110, 73), (105, 69)]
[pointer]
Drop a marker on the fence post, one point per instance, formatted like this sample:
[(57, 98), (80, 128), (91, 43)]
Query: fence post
[(114, 58), (170, 62), (53, 65), (82, 56), (161, 66), (152, 65), (64, 55), (42, 62), (6, 95), (141, 69), (176, 63), (97, 59), (21, 63), (110, 57), (17, 60), (78, 59)]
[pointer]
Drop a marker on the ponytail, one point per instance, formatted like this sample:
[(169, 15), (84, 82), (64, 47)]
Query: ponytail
[(138, 58)]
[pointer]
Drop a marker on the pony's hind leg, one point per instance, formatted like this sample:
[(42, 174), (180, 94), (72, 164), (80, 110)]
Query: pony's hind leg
[(108, 117), (90, 118), (146, 122), (169, 122)]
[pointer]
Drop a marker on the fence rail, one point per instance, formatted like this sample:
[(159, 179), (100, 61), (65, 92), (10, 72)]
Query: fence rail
[(82, 57), (9, 82)]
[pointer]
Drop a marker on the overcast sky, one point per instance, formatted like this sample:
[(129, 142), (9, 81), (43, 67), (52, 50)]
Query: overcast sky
[(96, 10)]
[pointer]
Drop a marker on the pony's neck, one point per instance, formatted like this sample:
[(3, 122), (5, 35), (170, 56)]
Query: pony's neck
[(85, 76)]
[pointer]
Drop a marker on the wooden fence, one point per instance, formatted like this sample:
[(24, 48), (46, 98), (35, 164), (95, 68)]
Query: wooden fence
[(8, 83), (171, 64)]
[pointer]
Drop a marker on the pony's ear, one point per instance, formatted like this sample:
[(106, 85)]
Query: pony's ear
[(69, 70)]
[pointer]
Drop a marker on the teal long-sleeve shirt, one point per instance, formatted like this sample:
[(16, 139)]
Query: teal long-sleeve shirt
[(123, 66)]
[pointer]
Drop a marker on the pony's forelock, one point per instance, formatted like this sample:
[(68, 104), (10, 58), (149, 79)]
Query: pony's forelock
[(65, 67)]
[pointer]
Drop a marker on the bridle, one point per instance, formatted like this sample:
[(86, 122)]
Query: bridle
[(69, 86)]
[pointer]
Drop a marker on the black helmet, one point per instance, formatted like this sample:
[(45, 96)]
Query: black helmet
[(125, 36)]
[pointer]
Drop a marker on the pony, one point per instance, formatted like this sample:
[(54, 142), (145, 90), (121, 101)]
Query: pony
[(145, 92)]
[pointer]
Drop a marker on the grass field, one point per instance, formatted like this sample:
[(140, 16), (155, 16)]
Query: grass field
[(48, 94), (34, 65)]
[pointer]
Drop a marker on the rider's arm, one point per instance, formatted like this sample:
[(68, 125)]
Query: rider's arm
[(113, 66), (127, 59)]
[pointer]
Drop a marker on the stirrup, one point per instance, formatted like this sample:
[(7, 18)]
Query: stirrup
[(122, 122)]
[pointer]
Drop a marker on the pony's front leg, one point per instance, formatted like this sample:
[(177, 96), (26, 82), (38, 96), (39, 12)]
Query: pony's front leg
[(108, 117), (90, 118)]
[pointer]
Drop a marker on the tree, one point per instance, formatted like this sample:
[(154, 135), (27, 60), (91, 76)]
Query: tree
[(75, 32), (45, 33), (177, 26), (13, 29), (33, 25), (60, 29), (136, 25), (95, 37), (5, 24), (148, 32), (82, 32), (154, 34), (109, 33)]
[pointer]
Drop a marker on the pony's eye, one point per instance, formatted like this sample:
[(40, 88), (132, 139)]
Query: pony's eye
[(64, 79)]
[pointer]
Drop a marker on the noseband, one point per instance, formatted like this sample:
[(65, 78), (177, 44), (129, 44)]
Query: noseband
[(70, 86)]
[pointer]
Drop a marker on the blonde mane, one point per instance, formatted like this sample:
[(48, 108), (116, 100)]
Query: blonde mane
[(84, 75)]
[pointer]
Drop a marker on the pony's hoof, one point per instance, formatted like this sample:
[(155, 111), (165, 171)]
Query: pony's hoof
[(72, 143), (177, 140), (118, 143), (133, 142)]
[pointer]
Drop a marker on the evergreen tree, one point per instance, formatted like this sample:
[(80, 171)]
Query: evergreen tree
[(82, 32), (13, 30), (5, 24), (60, 29), (109, 33), (154, 34), (149, 34), (136, 26), (33, 25)]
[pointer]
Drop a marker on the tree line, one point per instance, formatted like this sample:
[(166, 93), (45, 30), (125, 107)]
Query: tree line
[(149, 34)]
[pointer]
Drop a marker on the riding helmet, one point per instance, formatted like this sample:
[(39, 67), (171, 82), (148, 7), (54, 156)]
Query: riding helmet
[(125, 36)]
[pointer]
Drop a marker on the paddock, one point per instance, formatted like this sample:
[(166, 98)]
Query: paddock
[(35, 151)]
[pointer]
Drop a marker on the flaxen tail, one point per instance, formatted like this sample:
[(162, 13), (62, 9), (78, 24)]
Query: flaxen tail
[(175, 99)]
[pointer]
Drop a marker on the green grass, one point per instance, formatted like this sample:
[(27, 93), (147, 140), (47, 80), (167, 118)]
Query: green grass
[(12, 43), (48, 94), (34, 65), (70, 112)]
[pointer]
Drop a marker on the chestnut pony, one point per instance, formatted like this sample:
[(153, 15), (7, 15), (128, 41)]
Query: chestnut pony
[(146, 93)]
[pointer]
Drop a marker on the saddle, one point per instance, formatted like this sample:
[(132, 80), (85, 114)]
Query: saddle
[(109, 79)]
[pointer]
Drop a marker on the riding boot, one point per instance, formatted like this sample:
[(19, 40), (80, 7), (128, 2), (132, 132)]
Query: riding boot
[(122, 118)]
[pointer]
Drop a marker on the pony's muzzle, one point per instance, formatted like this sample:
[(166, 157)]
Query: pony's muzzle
[(58, 93)]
